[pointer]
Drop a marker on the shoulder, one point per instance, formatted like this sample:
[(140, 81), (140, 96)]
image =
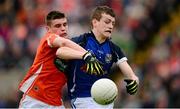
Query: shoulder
[(54, 39), (118, 54), (114, 46), (81, 38)]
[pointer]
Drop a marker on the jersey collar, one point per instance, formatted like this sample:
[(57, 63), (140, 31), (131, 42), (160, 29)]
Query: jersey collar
[(92, 35)]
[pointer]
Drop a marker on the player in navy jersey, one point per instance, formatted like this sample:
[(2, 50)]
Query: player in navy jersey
[(98, 42)]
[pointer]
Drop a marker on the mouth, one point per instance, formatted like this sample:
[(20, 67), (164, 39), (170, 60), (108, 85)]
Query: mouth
[(63, 35), (108, 31)]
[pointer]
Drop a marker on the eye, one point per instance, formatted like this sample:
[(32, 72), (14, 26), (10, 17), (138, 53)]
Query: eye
[(57, 25), (107, 21), (65, 24)]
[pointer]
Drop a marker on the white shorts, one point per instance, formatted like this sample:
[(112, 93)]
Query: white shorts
[(88, 103), (29, 102)]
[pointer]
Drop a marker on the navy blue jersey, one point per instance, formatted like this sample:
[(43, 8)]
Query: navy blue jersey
[(79, 82)]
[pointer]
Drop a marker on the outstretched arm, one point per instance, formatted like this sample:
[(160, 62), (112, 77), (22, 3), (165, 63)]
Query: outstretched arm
[(71, 50), (67, 49), (131, 79), (62, 42)]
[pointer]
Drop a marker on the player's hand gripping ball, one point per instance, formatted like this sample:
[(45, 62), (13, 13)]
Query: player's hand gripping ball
[(104, 91)]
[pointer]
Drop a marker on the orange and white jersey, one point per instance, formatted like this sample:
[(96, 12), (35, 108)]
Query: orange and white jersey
[(44, 81)]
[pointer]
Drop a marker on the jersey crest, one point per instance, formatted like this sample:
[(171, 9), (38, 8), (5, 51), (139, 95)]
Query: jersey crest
[(108, 58)]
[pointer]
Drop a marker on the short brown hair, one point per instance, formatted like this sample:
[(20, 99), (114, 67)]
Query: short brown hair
[(98, 11), (53, 15)]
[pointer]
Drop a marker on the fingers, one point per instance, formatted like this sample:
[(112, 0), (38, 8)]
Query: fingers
[(89, 68), (131, 86), (94, 68), (98, 69)]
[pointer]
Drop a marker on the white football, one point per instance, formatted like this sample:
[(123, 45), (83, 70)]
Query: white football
[(104, 91)]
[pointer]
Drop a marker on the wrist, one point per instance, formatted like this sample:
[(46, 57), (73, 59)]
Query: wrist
[(131, 76), (134, 78), (86, 55)]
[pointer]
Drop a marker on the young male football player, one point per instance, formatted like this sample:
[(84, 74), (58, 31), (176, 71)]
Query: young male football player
[(43, 82), (98, 42)]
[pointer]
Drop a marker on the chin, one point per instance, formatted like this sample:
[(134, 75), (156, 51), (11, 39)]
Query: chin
[(66, 37), (107, 35)]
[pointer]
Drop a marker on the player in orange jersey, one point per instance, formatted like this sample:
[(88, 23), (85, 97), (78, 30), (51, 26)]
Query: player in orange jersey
[(43, 82)]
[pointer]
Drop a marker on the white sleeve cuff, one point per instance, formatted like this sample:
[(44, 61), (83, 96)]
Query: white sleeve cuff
[(122, 60)]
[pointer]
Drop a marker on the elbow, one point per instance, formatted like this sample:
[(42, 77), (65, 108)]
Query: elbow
[(58, 53)]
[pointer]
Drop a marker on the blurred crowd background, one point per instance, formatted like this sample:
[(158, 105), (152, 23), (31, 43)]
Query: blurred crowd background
[(147, 30)]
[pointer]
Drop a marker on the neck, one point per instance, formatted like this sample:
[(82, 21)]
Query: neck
[(99, 37)]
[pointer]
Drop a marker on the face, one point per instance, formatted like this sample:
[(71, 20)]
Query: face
[(59, 27), (105, 26)]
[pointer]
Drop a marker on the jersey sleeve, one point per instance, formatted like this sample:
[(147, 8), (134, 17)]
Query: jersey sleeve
[(120, 56), (51, 38)]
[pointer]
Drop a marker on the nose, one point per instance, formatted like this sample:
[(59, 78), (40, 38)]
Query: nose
[(111, 26), (63, 28)]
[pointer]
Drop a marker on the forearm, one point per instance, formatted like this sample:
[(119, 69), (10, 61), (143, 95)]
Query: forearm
[(130, 78), (127, 71), (62, 42), (68, 53), (74, 46)]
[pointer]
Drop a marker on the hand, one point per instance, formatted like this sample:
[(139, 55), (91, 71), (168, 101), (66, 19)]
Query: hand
[(131, 86), (93, 65), (60, 64)]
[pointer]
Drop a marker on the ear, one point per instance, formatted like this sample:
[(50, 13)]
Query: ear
[(47, 28), (94, 22)]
